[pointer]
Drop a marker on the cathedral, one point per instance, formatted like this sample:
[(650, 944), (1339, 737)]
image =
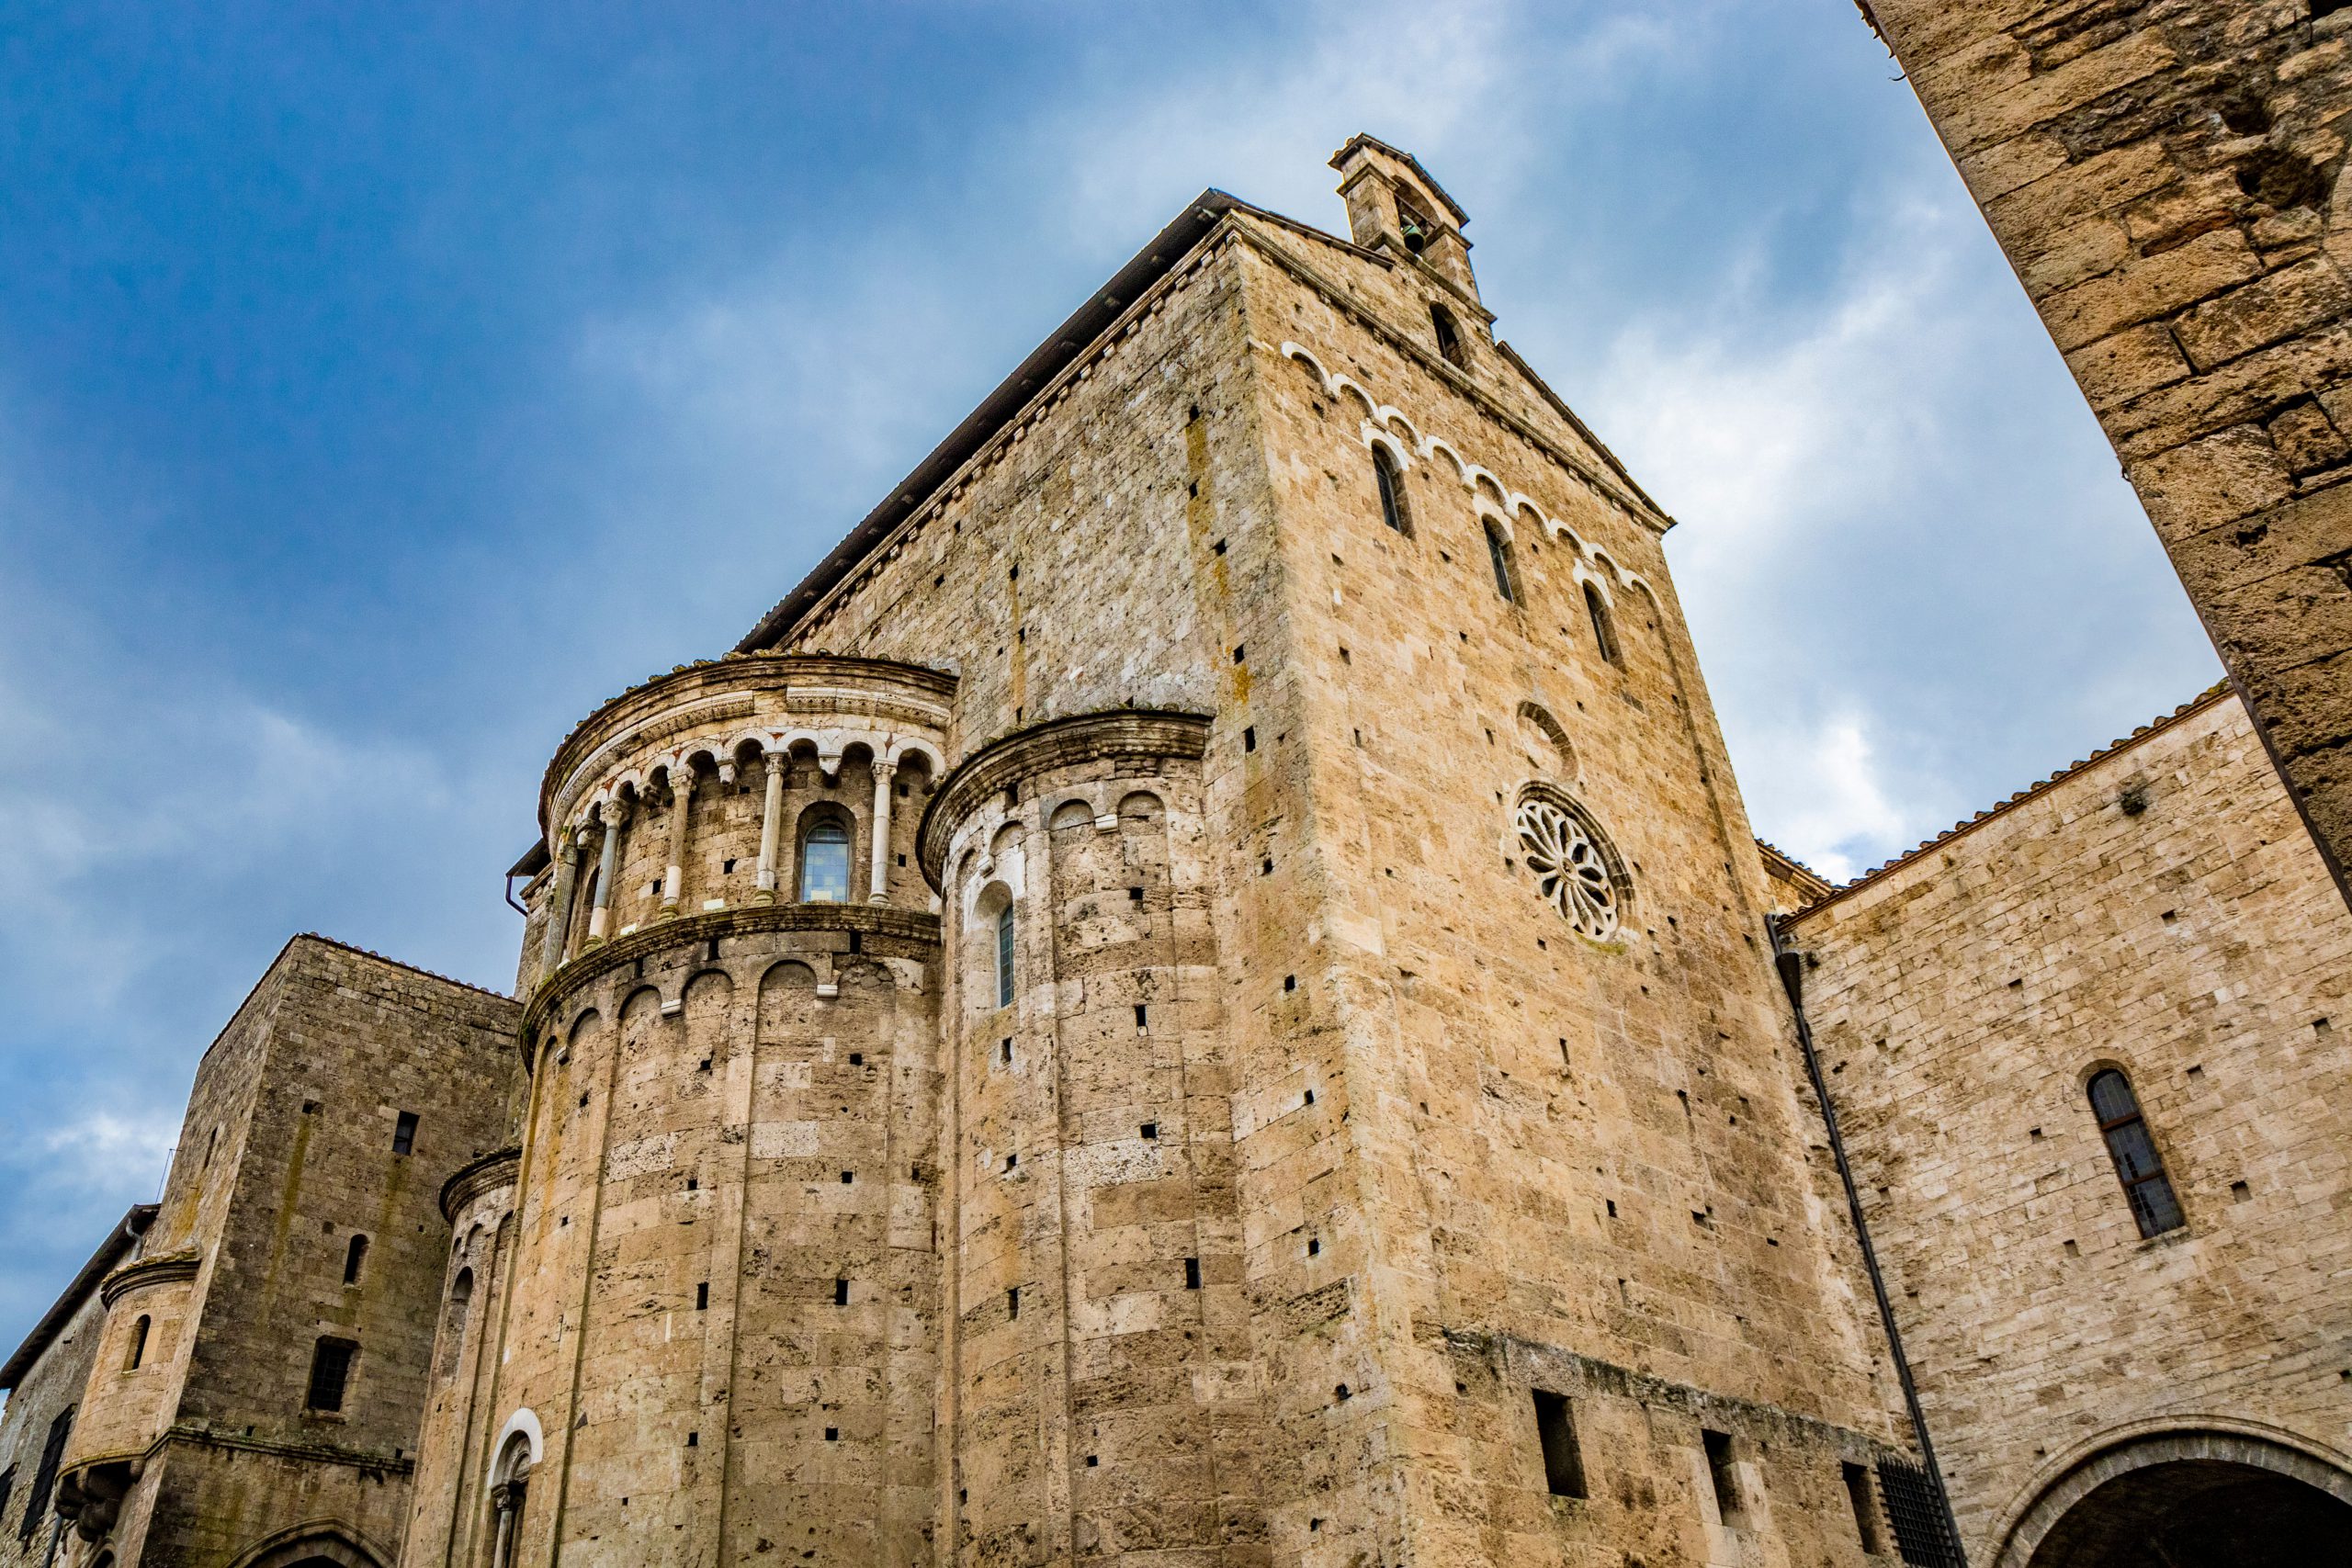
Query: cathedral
[(1200, 992)]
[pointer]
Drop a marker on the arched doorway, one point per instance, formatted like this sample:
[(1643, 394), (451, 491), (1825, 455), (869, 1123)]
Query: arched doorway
[(2189, 1500), (319, 1544)]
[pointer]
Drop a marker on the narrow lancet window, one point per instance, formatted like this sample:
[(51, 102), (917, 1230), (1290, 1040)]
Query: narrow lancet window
[(1391, 482), (1005, 956), (353, 1257), (1449, 337), (1499, 557), (1604, 635), (2137, 1163), (138, 1353)]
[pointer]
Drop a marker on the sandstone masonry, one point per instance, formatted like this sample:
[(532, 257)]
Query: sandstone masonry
[(2168, 178), (1200, 993)]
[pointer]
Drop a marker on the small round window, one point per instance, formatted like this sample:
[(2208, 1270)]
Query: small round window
[(1577, 869)]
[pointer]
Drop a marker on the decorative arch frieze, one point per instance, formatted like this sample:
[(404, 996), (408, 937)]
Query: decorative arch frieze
[(1491, 498)]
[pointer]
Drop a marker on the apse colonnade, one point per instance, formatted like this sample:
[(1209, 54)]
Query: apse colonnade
[(600, 819)]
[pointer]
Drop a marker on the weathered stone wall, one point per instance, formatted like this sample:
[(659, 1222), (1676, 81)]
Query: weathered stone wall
[(1186, 519), (49, 1389), (712, 1276), (2160, 911), (1101, 1386), (246, 1268), (2167, 178), (448, 1490), (1530, 1153)]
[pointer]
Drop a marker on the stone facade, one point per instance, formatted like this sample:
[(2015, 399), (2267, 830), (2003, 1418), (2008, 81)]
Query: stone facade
[(1200, 993), (2168, 178), (2159, 911), (301, 1212), (44, 1380)]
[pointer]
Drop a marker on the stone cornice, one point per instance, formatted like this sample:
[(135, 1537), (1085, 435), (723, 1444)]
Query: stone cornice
[(147, 1271), (276, 1448), (918, 926), (1123, 732), (496, 1169)]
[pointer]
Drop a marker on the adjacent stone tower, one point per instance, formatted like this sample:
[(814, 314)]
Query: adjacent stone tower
[(2168, 181), (1198, 993)]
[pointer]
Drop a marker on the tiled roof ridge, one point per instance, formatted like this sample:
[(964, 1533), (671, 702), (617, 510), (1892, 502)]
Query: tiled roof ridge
[(1769, 847), (411, 968), (2155, 726)]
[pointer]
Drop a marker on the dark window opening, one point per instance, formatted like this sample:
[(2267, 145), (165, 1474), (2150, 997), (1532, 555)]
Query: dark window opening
[(1012, 1302), (1724, 1475), (1142, 1016), (1192, 1274), (1563, 1463), (1604, 636), (52, 1450), (1004, 959), (1149, 1130), (2133, 1150), (353, 1257), (1249, 738), (1857, 1492), (1499, 557), (702, 1296), (330, 1374), (1449, 338), (840, 1293), (137, 1351), (1391, 484), (1921, 1536), (404, 1133)]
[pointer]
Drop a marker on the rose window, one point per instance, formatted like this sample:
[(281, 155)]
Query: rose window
[(1575, 871)]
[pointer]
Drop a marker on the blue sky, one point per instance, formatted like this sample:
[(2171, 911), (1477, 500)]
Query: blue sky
[(383, 387)]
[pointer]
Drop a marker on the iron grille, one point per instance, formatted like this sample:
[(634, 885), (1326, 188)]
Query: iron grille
[(1912, 1507)]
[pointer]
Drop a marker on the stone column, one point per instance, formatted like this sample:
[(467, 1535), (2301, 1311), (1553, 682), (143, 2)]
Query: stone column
[(877, 880), (674, 879), (508, 1499), (614, 814), (768, 815), (567, 883)]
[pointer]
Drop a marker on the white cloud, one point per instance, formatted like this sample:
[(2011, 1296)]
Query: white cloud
[(95, 1151), (1826, 795)]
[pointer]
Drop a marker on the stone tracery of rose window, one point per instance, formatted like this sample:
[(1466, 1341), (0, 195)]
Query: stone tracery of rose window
[(1575, 869)]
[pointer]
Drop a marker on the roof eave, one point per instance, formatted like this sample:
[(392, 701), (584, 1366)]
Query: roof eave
[(125, 1234), (1062, 346)]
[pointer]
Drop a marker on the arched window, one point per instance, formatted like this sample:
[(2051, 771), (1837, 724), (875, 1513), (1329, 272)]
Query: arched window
[(1604, 635), (508, 1491), (1449, 338), (2137, 1163), (1004, 955), (1385, 474), (824, 863), (1499, 555), (137, 1351), (354, 1256), (453, 1323)]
